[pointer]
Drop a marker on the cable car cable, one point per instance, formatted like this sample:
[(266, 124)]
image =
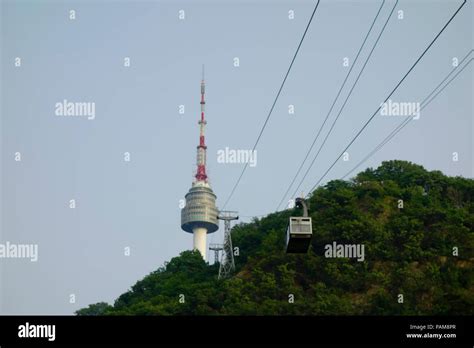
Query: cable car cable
[(407, 120), (345, 101), (332, 106), (390, 94), (273, 105)]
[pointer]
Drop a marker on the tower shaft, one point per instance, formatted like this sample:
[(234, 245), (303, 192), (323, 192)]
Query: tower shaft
[(199, 240)]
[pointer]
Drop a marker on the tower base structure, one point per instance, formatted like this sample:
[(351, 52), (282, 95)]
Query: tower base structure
[(199, 243)]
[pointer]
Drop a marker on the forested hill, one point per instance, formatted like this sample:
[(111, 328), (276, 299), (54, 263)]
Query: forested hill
[(423, 251)]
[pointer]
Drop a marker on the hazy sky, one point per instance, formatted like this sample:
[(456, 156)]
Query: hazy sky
[(136, 204)]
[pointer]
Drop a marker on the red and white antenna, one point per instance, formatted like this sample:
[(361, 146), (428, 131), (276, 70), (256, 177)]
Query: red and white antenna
[(201, 149)]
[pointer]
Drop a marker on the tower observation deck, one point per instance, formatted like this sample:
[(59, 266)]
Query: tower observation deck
[(199, 216)]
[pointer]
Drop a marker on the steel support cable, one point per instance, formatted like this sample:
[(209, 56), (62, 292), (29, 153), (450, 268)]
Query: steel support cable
[(273, 105), (407, 120), (388, 97), (332, 106)]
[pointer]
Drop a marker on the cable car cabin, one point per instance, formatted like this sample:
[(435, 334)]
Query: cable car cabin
[(298, 235)]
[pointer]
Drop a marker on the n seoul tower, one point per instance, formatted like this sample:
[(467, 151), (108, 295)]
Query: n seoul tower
[(199, 216)]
